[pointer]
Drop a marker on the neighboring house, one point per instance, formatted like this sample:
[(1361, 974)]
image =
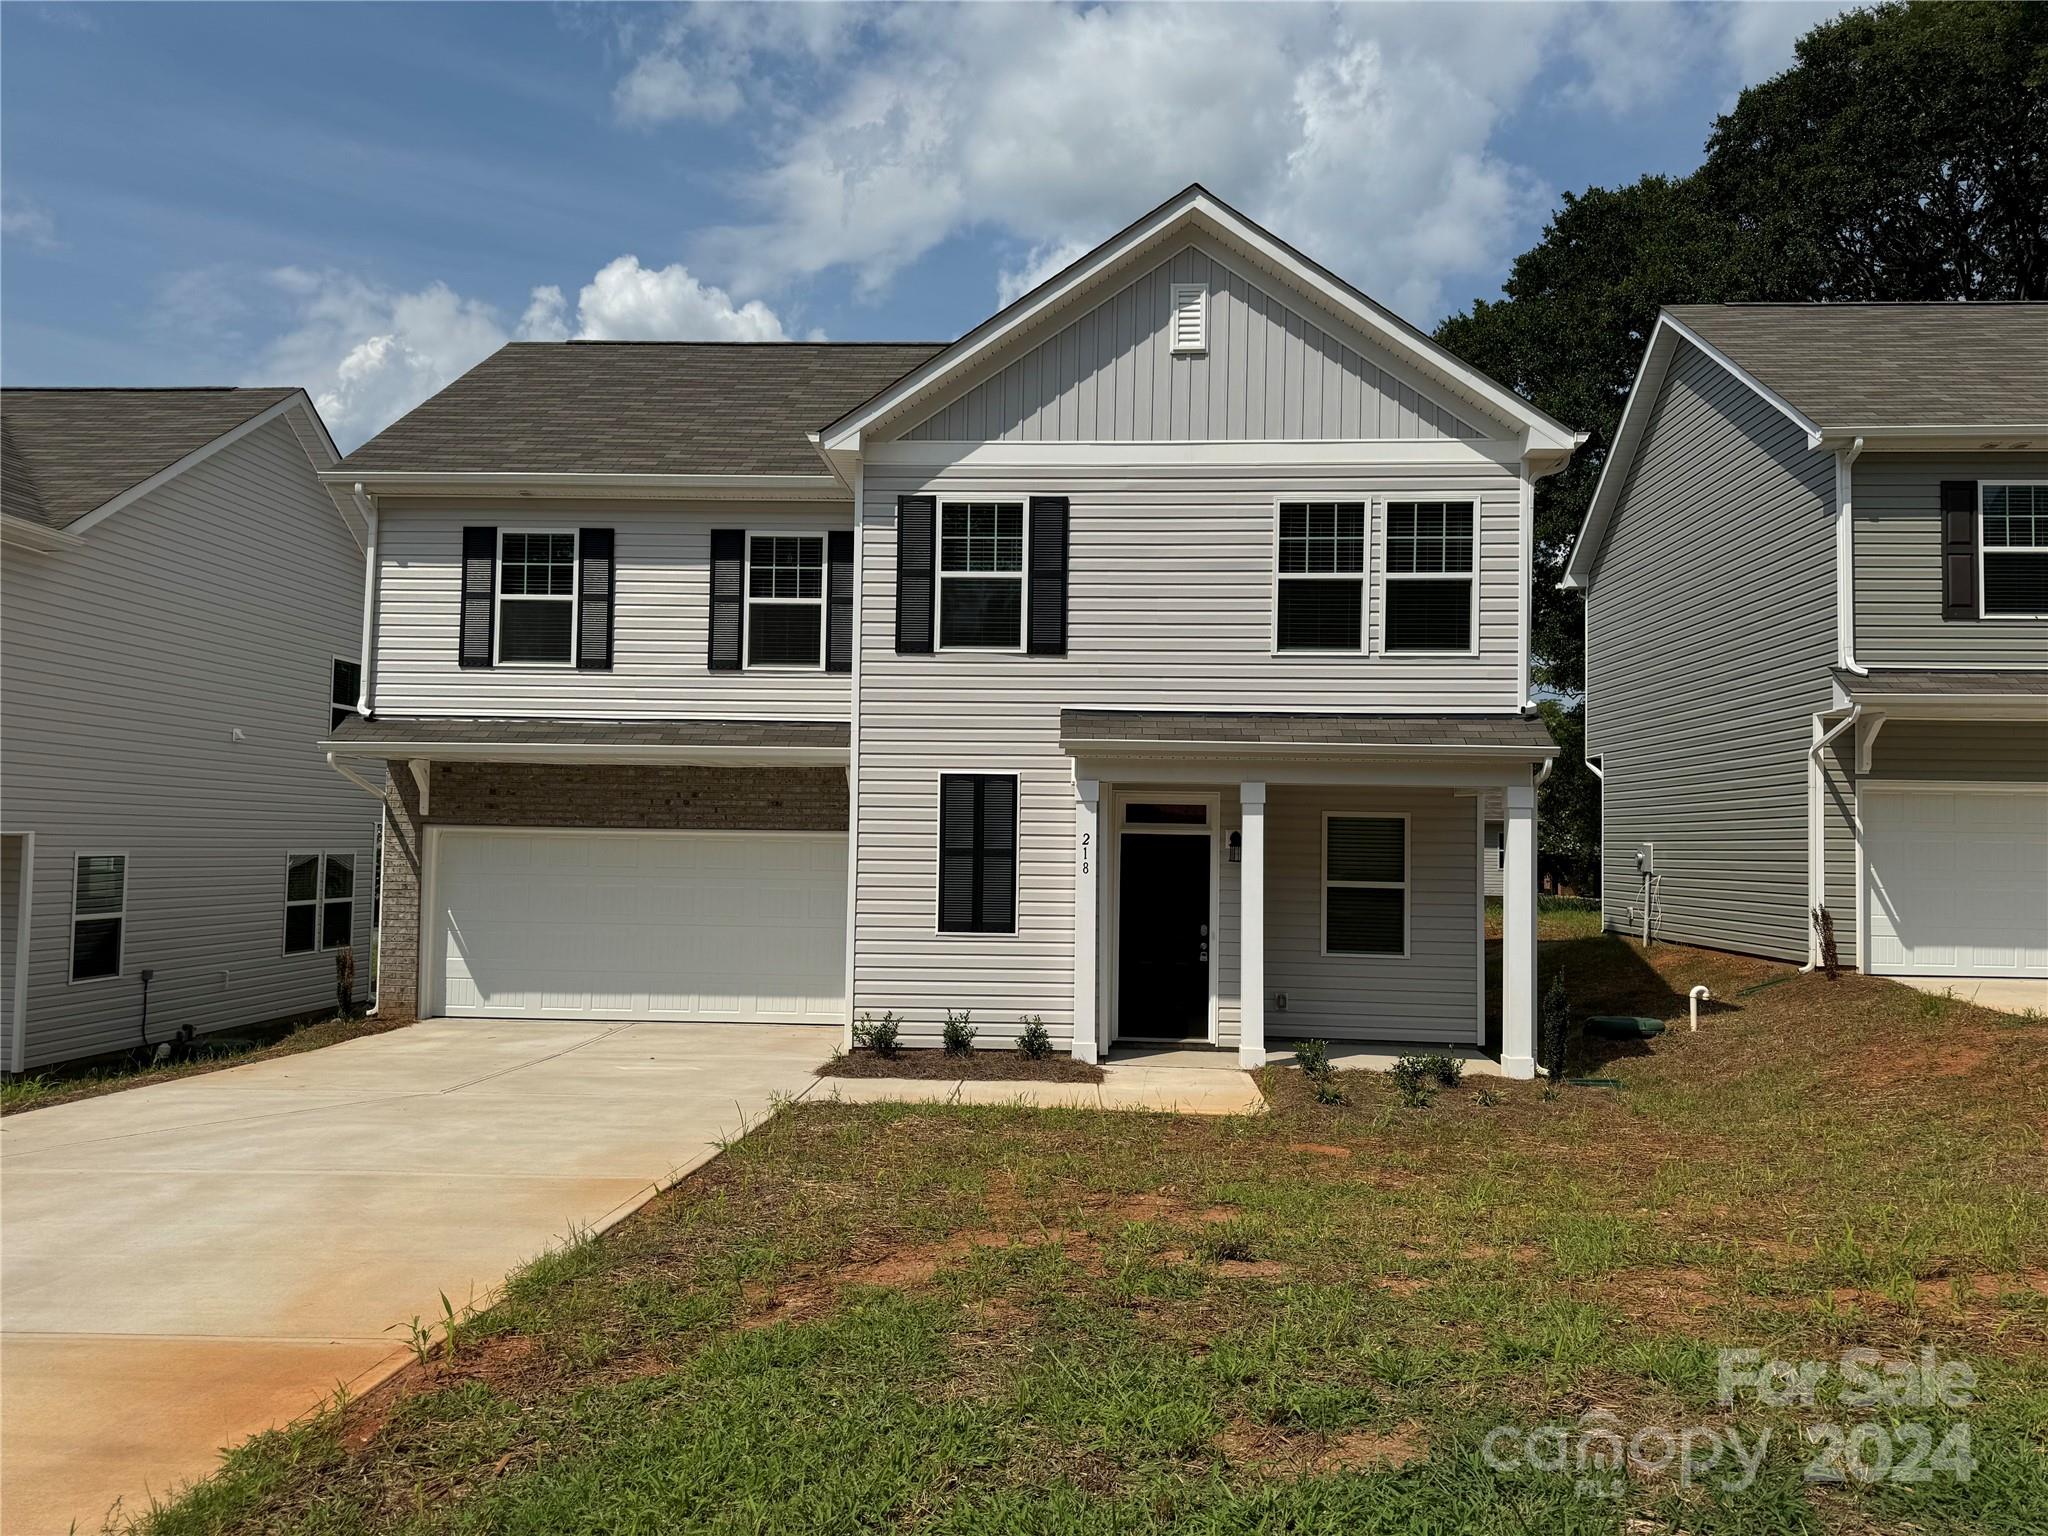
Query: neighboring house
[(1136, 662), (1816, 576), (182, 615)]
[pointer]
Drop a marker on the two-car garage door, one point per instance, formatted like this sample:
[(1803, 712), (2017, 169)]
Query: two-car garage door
[(637, 925), (1956, 880)]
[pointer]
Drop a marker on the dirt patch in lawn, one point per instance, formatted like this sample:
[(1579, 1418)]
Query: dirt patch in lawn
[(963, 1066), (1274, 1452)]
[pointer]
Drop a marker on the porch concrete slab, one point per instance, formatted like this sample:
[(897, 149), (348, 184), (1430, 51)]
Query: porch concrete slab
[(189, 1263), (2006, 994), (1194, 1057), (1180, 1090), (1380, 1056)]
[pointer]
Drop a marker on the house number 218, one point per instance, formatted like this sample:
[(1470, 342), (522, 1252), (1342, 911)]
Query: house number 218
[(1086, 839)]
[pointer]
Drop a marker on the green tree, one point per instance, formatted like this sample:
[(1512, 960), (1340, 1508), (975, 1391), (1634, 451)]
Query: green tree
[(1904, 156)]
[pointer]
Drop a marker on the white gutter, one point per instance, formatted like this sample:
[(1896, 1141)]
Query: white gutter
[(366, 506), (1845, 559), (334, 761), (459, 482), (1088, 746), (1817, 828), (585, 752), (1543, 771)]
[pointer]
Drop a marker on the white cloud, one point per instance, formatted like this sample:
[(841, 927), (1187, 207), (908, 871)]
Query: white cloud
[(1633, 56), (368, 354), (662, 87), (1040, 263), (32, 225)]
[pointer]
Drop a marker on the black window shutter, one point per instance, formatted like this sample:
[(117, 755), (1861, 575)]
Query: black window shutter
[(479, 584), (728, 596), (1959, 549), (915, 517), (977, 853), (839, 601), (594, 600), (1048, 611)]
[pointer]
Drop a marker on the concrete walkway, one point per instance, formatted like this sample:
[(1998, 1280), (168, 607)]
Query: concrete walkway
[(2006, 994), (1179, 1089), (187, 1264)]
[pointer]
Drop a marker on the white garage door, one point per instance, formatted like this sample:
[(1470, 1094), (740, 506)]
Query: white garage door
[(639, 925), (1957, 881)]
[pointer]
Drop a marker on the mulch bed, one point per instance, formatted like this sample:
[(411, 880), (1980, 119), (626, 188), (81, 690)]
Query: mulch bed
[(967, 1066)]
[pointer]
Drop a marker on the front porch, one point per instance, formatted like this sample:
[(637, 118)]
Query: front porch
[(1246, 880)]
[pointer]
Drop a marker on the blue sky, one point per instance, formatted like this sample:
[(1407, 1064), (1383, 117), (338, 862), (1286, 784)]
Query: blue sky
[(366, 199)]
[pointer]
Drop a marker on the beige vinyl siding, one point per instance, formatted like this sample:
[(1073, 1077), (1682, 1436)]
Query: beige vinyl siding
[(1271, 371), (662, 575), (1432, 993), (214, 606), (1710, 632), (1897, 502), (1964, 751), (1170, 606)]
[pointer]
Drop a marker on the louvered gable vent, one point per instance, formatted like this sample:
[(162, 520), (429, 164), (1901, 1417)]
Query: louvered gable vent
[(1190, 317)]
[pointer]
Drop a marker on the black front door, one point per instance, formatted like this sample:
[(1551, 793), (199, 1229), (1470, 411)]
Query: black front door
[(1163, 937)]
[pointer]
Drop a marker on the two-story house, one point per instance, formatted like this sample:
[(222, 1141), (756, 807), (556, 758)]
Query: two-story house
[(1816, 577), (181, 609), (1140, 662)]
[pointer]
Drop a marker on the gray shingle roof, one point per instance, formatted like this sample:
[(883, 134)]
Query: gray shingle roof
[(67, 452), (1889, 365), (1992, 682), (1423, 733), (643, 407), (400, 732)]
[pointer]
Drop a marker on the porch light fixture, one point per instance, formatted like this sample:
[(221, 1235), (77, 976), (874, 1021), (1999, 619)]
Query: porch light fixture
[(1235, 844)]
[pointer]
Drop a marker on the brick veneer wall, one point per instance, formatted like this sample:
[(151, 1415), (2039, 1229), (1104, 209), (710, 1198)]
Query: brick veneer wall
[(579, 795)]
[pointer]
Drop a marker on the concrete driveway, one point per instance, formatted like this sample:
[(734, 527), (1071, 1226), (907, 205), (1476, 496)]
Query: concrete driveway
[(187, 1264)]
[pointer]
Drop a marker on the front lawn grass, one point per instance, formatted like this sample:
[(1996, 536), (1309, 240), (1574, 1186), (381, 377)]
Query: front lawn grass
[(64, 1085), (984, 1319)]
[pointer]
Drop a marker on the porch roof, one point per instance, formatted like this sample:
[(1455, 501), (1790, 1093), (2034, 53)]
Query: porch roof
[(2018, 693), (475, 739), (1126, 732)]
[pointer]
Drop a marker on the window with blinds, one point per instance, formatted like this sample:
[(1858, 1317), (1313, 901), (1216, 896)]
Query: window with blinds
[(1321, 588), (1365, 885)]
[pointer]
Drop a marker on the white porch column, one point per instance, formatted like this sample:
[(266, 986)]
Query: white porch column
[(1251, 1039), (1087, 964), (1518, 935)]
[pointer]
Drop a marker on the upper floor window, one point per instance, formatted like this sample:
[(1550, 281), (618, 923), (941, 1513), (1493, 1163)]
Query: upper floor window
[(99, 914), (344, 686), (1321, 601), (537, 598), (2014, 551), (981, 575), (1430, 590), (785, 600)]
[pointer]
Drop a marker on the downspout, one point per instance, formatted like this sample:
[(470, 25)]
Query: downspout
[(334, 761), (1817, 837), (1845, 558), (367, 506)]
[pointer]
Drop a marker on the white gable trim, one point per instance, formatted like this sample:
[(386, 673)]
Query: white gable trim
[(1198, 209), (311, 430), (1635, 421)]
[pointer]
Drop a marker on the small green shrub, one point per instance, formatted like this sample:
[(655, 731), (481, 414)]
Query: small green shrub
[(1313, 1057), (1034, 1040), (1487, 1098), (958, 1034), (882, 1036), (1327, 1089), (1412, 1077), (1446, 1070), (1553, 1022)]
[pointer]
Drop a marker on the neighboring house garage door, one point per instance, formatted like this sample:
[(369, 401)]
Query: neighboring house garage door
[(1957, 880), (638, 925)]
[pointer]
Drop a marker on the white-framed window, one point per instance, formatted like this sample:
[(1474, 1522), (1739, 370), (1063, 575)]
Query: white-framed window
[(785, 600), (1365, 884), (1319, 582), (344, 687), (1190, 317), (1431, 597), (99, 915), (319, 901), (2012, 550), (981, 576), (536, 597)]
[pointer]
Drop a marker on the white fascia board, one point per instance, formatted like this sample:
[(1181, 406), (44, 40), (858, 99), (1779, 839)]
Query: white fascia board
[(1196, 207), (577, 752), (1988, 437), (20, 533), (392, 482), (311, 434), (928, 453), (1664, 339), (1953, 706), (1084, 746)]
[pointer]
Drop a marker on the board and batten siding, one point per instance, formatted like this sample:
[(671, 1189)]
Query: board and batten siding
[(1170, 606), (166, 683), (1896, 499), (660, 627), (1709, 637), (1271, 371)]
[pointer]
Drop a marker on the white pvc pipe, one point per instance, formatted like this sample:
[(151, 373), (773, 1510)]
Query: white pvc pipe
[(1699, 994)]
